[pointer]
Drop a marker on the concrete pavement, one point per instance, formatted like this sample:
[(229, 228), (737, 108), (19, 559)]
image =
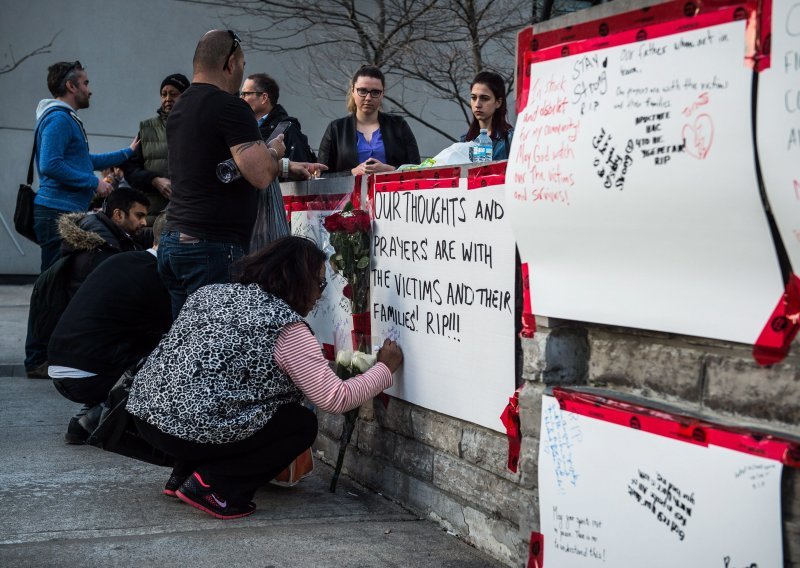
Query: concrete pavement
[(77, 505)]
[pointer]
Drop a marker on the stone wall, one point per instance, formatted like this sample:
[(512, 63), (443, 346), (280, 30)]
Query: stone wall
[(455, 472)]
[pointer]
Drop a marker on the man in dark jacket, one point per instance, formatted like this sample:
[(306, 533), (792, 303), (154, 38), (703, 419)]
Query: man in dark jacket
[(117, 317), (261, 92), (87, 240)]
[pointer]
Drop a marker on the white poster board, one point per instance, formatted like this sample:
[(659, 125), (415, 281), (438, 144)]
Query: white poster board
[(442, 284), (611, 495), (778, 124), (632, 191), (331, 317)]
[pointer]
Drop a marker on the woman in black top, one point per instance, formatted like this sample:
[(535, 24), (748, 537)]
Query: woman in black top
[(367, 141)]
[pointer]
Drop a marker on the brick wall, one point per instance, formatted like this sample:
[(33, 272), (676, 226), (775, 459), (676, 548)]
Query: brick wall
[(455, 472)]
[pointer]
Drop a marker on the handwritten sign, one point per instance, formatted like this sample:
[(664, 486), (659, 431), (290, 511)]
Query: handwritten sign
[(442, 283), (778, 125), (639, 499), (632, 191)]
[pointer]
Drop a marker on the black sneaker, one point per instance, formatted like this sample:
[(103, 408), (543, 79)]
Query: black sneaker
[(199, 494), (173, 483), (76, 434), (38, 372)]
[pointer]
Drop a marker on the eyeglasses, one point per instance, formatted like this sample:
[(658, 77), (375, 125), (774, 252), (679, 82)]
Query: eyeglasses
[(322, 285), (374, 93), (244, 94), (236, 43)]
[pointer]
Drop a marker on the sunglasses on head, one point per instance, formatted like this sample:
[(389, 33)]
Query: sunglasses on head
[(236, 43), (70, 69)]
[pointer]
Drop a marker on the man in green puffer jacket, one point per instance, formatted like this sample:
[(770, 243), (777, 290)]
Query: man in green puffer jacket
[(147, 169)]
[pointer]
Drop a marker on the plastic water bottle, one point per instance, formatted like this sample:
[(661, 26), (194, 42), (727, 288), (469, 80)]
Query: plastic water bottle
[(482, 148), (227, 171)]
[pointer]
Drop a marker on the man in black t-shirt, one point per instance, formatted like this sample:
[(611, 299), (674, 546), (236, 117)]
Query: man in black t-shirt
[(209, 222)]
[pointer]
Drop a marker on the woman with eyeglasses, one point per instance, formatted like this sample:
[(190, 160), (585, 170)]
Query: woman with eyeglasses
[(222, 391), (367, 141), (489, 111)]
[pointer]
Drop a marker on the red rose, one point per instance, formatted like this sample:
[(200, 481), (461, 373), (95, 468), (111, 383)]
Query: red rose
[(333, 223), (362, 219), (347, 292), (349, 224)]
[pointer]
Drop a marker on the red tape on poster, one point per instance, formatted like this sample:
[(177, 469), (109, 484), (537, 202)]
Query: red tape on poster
[(687, 429)]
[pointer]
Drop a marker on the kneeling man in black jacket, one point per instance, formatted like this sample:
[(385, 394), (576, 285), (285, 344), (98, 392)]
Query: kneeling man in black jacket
[(117, 316)]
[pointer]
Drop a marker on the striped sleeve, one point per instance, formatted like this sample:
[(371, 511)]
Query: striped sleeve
[(298, 354)]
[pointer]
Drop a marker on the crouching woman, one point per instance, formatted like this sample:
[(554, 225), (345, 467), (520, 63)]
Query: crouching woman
[(221, 393)]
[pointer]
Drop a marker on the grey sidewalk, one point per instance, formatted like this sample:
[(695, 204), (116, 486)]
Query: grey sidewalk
[(79, 506)]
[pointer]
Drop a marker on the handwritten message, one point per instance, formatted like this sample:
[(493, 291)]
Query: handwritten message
[(757, 475), (664, 500), (620, 165), (561, 434), (578, 535), (442, 286)]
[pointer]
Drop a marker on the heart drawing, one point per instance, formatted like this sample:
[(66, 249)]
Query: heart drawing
[(699, 136)]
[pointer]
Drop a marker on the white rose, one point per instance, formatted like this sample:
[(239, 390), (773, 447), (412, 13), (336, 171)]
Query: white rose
[(344, 357), (362, 361)]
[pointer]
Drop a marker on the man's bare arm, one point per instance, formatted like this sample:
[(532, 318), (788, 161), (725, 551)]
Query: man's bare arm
[(258, 164)]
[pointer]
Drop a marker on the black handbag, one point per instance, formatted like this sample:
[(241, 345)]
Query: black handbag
[(117, 431), (23, 214)]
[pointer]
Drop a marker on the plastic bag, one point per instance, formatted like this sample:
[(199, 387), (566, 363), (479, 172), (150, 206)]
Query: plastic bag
[(271, 223)]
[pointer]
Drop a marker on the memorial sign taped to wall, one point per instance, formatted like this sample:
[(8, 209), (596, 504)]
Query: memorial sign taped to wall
[(632, 187), (442, 286), (624, 486)]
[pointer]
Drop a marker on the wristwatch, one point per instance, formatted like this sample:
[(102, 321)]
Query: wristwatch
[(285, 167)]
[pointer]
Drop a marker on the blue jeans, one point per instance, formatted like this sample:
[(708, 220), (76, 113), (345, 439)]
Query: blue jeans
[(185, 267), (45, 225)]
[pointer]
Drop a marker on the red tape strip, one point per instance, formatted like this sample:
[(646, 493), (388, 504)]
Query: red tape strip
[(484, 176), (528, 319), (510, 419), (679, 427), (536, 551), (776, 338)]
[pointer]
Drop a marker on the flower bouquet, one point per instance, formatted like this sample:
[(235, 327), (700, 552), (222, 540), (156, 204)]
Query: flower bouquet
[(349, 235)]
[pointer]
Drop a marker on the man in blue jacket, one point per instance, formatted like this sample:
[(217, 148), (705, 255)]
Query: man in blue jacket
[(66, 168)]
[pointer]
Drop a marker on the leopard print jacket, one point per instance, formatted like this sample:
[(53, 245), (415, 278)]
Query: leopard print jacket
[(213, 378)]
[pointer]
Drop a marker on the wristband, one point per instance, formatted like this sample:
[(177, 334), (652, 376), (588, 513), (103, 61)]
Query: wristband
[(285, 167)]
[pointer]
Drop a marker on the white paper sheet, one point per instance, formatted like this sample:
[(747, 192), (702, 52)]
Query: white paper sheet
[(632, 192), (452, 317), (614, 496)]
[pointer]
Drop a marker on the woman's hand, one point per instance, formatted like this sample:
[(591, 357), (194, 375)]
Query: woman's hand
[(390, 355), (371, 166), (135, 143)]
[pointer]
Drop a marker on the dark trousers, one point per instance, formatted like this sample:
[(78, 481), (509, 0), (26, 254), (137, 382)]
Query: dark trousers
[(45, 225), (235, 470), (186, 266), (87, 390)]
